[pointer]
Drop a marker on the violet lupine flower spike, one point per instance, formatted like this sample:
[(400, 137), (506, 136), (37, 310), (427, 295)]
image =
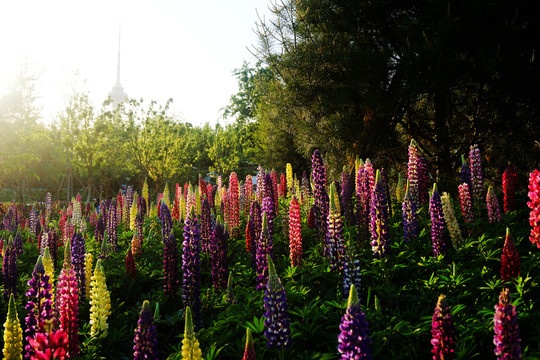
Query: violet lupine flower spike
[(9, 269), (410, 218), (506, 339), (334, 233), (276, 323), (268, 209), (437, 223), (166, 221), (354, 341), (191, 266), (494, 211), (218, 255), (510, 263), (170, 266), (145, 342), (442, 332), (262, 252), (319, 192), (78, 261), (378, 225), (476, 175)]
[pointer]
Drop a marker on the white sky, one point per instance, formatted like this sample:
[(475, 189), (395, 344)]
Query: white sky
[(180, 49)]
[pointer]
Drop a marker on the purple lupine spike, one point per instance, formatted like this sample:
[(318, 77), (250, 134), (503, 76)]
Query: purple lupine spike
[(191, 266), (78, 261), (378, 226), (206, 225), (33, 220), (166, 221), (261, 176), (268, 209), (410, 218), (506, 339), (139, 219), (368, 185), (476, 175), (218, 255), (255, 213), (39, 305), (170, 266), (318, 171), (437, 223), (352, 274), (112, 226), (18, 242), (262, 252), (275, 193), (423, 181), (9, 269), (354, 341), (100, 230), (276, 324), (442, 332), (145, 345), (494, 211), (334, 233)]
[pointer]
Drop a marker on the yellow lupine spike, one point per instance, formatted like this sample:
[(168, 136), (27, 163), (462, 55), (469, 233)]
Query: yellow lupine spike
[(133, 212), (166, 197), (12, 333), (289, 174), (144, 193), (190, 344), (89, 263), (100, 303)]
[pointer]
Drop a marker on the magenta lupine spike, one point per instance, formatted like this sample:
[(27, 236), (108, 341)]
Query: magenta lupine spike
[(477, 179), (378, 225), (466, 203), (218, 256), (283, 185), (346, 197), (248, 189), (39, 305), (206, 225), (509, 183), (295, 233), (354, 341), (506, 328), (442, 332), (423, 181), (320, 195), (145, 345), (410, 217), (234, 205), (437, 223), (251, 241), (67, 302), (534, 205), (334, 233), (261, 258), (494, 211), (276, 322), (78, 253), (261, 176), (191, 267), (9, 269), (510, 263), (139, 219), (369, 181), (275, 189), (412, 171), (170, 266)]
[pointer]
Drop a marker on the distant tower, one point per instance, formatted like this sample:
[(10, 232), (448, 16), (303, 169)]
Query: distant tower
[(117, 93)]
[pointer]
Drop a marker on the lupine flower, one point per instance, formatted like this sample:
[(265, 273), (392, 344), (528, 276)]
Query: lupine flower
[(248, 189), (136, 243), (131, 271), (494, 212), (39, 305), (295, 233), (289, 172), (50, 345), (412, 170), (233, 204), (476, 174), (334, 234), (510, 263), (9, 269), (166, 221), (78, 261), (351, 271), (170, 265), (275, 185), (534, 205), (437, 223), (48, 265), (145, 342), (442, 332), (68, 302), (112, 222), (361, 209), (89, 270), (249, 351), (191, 266), (276, 323), (283, 186), (100, 303), (423, 180), (18, 242), (99, 230), (506, 339), (354, 341), (190, 344), (466, 203), (144, 193), (378, 225), (264, 248), (451, 221), (77, 211), (410, 217), (12, 333), (218, 255), (319, 192), (509, 183), (268, 209), (133, 212)]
